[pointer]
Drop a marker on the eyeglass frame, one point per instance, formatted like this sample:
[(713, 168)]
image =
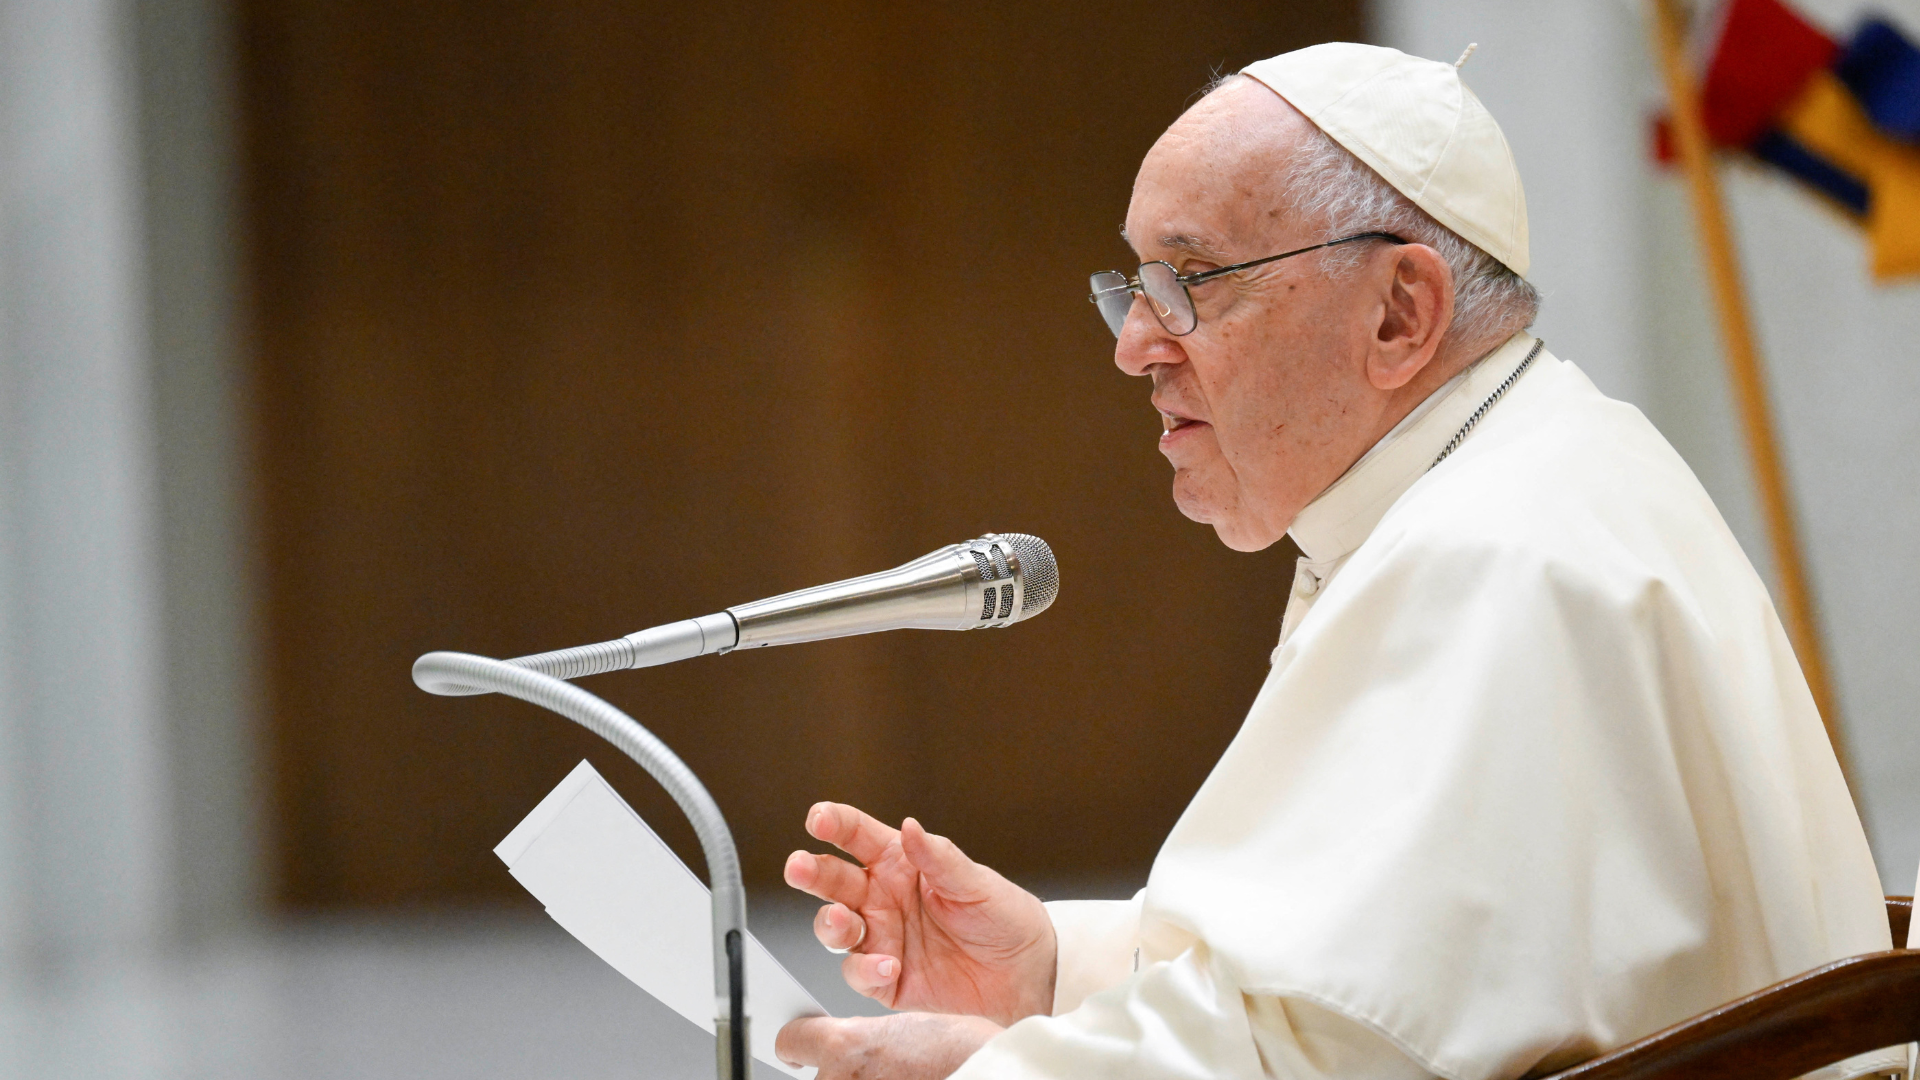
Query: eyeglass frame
[(1186, 281)]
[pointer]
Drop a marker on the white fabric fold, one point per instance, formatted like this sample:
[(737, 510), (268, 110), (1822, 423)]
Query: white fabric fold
[(1178, 1020), (1097, 946)]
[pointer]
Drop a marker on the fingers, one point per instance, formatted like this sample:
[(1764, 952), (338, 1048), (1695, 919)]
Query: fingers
[(810, 1040), (871, 975), (905, 1044), (827, 877), (946, 868), (839, 928), (850, 830)]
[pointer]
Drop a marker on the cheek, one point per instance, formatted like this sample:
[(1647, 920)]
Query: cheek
[(1277, 379), (1252, 393)]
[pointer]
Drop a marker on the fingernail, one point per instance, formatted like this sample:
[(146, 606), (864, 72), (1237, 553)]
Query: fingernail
[(886, 968)]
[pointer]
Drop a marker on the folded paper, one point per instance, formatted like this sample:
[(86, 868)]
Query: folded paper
[(608, 880)]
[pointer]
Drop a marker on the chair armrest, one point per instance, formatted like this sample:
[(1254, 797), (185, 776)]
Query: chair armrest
[(1793, 1027)]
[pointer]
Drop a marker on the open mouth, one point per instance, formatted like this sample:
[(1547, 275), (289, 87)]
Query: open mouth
[(1174, 422)]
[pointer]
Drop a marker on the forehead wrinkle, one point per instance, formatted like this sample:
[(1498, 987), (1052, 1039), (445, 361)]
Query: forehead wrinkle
[(1192, 245), (1186, 243)]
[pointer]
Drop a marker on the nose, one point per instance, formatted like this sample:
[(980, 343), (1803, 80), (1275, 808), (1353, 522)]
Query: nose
[(1144, 343)]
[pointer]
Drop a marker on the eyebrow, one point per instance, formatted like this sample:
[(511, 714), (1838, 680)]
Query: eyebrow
[(1184, 242)]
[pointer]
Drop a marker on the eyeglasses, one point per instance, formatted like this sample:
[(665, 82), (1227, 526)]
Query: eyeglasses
[(1166, 289)]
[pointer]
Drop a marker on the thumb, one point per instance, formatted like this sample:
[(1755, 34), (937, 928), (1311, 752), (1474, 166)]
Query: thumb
[(946, 868)]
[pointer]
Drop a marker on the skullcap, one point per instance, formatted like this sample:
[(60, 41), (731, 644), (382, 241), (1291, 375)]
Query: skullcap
[(1416, 124)]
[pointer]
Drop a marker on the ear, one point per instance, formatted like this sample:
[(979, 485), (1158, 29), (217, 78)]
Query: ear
[(1416, 310)]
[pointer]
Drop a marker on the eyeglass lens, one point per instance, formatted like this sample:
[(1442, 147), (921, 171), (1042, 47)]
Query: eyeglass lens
[(1171, 303), (1112, 297), (1160, 283)]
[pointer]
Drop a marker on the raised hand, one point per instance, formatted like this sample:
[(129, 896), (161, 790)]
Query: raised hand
[(928, 928)]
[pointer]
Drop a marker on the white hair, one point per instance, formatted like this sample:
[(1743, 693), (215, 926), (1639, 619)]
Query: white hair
[(1327, 184)]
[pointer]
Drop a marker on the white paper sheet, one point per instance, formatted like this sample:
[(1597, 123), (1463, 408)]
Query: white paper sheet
[(609, 881)]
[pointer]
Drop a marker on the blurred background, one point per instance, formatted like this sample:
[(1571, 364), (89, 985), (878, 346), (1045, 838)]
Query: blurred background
[(333, 332)]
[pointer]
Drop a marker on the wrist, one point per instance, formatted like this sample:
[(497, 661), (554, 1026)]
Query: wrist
[(1049, 961), (1040, 970), (963, 1038)]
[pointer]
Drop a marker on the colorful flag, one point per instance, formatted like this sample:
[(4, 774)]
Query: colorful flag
[(1843, 120)]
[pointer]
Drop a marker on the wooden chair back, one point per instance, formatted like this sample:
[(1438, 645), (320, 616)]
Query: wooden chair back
[(1793, 1027)]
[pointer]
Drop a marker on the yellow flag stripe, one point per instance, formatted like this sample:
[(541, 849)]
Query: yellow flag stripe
[(1827, 120)]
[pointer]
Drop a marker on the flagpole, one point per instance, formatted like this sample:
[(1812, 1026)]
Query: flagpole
[(1743, 363)]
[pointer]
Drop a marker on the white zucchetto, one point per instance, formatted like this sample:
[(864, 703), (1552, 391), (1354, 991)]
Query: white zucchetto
[(1415, 123)]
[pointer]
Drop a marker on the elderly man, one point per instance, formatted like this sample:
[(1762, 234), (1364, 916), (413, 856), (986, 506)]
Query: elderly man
[(1534, 772)]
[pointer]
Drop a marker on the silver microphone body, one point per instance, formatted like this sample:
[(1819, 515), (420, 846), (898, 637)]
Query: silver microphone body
[(993, 581), (997, 580)]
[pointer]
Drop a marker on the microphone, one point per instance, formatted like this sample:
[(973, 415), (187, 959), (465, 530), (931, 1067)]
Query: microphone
[(998, 580)]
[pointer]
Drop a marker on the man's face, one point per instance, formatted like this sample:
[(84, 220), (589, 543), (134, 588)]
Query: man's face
[(1266, 402)]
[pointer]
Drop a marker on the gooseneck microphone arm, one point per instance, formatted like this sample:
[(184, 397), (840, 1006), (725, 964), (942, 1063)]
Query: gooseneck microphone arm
[(463, 673)]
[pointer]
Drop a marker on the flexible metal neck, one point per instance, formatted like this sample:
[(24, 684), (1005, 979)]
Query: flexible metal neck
[(462, 673)]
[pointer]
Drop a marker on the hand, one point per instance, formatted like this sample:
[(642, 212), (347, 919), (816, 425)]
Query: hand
[(929, 928), (904, 1046)]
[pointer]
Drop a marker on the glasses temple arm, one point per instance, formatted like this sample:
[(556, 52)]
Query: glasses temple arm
[(1208, 275)]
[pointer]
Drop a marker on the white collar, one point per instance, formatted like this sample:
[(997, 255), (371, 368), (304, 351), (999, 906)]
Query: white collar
[(1341, 517)]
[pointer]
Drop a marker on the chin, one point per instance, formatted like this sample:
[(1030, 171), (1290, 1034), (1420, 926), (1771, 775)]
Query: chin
[(1239, 537), (1230, 526), (1193, 503)]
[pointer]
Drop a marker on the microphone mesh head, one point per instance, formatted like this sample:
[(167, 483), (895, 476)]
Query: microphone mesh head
[(1039, 575)]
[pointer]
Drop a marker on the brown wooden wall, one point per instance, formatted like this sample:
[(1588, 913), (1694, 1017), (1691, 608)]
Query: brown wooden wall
[(570, 319)]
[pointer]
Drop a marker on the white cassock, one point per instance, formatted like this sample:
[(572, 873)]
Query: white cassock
[(1535, 773)]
